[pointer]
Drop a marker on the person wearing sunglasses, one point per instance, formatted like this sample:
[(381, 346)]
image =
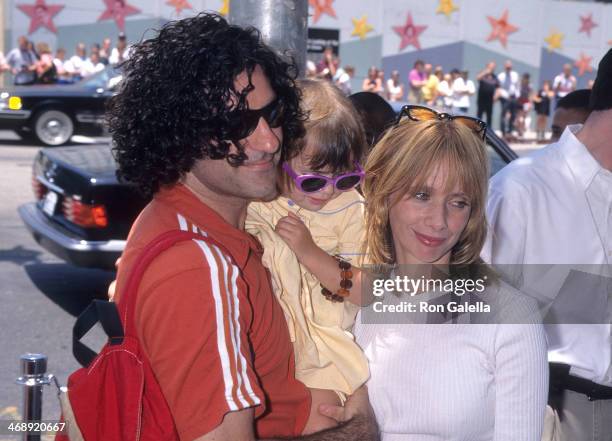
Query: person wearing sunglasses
[(319, 214), (426, 187), (204, 146)]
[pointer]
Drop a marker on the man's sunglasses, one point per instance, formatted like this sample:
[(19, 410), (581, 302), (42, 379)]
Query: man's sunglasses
[(244, 122), (421, 113), (312, 182)]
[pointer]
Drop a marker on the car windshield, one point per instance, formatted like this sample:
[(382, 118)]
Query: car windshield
[(106, 79)]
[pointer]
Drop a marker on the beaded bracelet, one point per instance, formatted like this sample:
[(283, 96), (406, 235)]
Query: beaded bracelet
[(345, 282)]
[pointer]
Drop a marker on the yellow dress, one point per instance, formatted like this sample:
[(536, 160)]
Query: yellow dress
[(326, 354)]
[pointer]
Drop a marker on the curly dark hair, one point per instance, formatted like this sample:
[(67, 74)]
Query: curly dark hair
[(172, 106)]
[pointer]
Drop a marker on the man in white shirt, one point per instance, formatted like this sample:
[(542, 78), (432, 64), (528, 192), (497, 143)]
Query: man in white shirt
[(565, 82), (509, 91), (463, 89), (555, 207), (20, 59), (92, 65), (74, 65), (343, 77), (120, 53)]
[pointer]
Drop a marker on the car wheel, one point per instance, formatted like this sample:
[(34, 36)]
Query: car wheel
[(53, 127)]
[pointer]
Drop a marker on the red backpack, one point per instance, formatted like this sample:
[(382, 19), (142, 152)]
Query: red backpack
[(116, 397)]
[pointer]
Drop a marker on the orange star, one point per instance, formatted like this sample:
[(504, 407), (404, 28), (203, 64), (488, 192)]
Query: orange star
[(322, 7), (501, 28), (179, 5), (583, 64)]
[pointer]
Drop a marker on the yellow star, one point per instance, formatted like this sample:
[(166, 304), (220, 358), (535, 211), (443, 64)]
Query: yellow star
[(554, 40), (446, 7), (224, 8), (361, 27)]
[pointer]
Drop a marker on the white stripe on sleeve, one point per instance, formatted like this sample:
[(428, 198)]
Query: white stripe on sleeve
[(182, 222), (222, 339), (235, 330)]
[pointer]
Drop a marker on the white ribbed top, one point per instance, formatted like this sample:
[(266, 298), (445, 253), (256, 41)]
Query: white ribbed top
[(456, 382)]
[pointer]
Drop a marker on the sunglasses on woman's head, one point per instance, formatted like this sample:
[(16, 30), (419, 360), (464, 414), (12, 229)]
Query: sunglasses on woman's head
[(313, 182), (422, 113), (244, 122)]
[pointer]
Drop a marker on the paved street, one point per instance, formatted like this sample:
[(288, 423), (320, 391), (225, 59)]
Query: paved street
[(40, 295)]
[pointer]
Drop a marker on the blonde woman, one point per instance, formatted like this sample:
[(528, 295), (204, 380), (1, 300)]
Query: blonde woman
[(425, 187)]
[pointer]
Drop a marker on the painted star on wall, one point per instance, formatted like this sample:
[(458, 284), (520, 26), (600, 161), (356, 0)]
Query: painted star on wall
[(179, 5), (583, 64), (554, 40), (446, 7), (361, 27), (409, 33), (501, 28), (224, 11), (117, 10), (587, 24), (322, 7), (41, 15)]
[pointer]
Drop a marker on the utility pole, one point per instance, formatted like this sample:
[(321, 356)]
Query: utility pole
[(283, 24)]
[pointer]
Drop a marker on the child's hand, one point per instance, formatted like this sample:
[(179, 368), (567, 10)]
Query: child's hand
[(293, 231)]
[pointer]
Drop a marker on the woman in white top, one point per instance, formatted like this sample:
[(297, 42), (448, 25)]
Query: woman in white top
[(426, 186), (395, 88), (445, 93)]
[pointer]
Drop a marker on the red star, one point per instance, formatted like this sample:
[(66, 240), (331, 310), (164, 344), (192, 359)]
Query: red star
[(583, 64), (501, 28), (41, 15), (179, 5), (409, 33), (117, 10), (322, 7), (587, 24)]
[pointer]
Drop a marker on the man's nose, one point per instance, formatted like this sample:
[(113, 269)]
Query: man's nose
[(264, 138)]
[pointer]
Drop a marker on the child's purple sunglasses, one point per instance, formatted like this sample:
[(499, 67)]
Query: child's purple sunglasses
[(312, 182)]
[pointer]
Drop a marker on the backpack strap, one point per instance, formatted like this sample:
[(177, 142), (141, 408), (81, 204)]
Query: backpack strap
[(117, 320), (101, 311)]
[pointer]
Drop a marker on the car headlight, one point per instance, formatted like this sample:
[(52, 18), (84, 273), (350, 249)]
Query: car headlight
[(3, 100), (10, 102)]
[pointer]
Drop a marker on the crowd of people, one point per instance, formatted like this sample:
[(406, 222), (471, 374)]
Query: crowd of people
[(329, 68), (35, 63), (272, 181), (451, 91)]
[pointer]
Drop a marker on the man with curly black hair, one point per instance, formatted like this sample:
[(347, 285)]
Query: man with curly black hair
[(199, 123)]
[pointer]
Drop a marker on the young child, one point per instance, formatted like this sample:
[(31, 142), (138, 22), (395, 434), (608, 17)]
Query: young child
[(319, 215)]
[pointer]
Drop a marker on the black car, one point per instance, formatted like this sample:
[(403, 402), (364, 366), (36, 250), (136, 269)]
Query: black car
[(52, 114), (83, 214)]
